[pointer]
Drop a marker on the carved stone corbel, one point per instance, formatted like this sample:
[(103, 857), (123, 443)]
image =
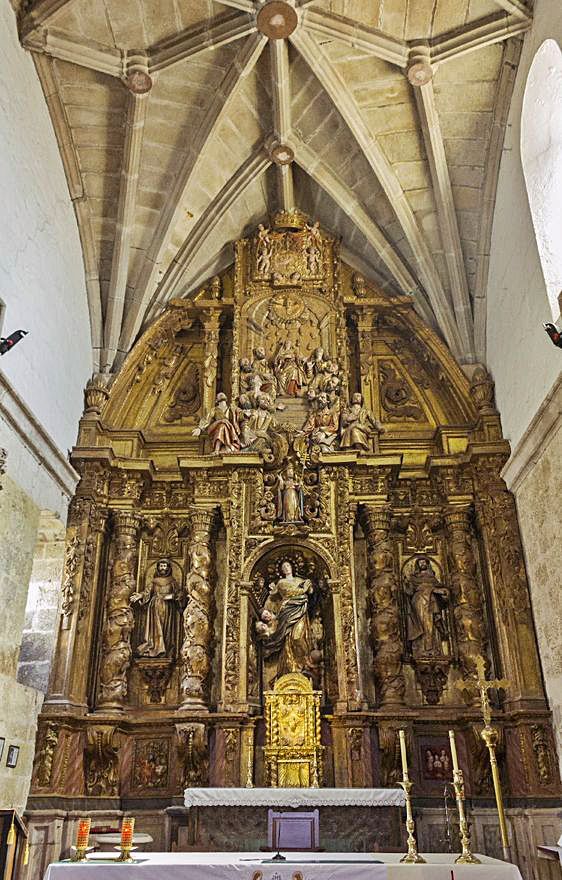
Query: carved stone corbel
[(101, 761)]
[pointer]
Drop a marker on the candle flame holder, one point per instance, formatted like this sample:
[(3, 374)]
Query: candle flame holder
[(82, 848), (126, 847)]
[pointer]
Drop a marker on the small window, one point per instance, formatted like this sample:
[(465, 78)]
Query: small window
[(541, 157)]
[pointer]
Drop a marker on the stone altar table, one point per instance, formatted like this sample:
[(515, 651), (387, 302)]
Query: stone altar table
[(351, 819), (312, 866)]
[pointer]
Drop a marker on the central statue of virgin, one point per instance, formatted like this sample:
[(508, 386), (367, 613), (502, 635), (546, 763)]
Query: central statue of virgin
[(285, 628)]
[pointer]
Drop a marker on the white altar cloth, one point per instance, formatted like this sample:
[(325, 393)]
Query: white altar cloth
[(294, 797), (253, 866)]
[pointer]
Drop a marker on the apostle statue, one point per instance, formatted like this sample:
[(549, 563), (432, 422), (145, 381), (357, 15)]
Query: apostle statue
[(285, 629), (427, 612), (321, 426), (358, 426), (161, 606), (261, 368), (290, 497), (221, 427), (289, 371)]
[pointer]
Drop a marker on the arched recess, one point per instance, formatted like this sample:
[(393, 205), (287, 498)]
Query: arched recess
[(307, 562), (541, 157)]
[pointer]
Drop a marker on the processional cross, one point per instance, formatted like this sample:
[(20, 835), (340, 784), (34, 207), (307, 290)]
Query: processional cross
[(490, 735)]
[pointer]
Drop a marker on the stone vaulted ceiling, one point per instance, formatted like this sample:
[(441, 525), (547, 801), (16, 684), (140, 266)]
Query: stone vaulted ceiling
[(182, 123)]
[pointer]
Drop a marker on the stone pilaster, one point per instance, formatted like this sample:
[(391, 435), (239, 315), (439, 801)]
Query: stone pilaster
[(118, 625), (386, 635), (198, 615)]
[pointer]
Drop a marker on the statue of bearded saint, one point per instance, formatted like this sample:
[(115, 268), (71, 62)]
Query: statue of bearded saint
[(285, 629), (160, 618), (427, 612)]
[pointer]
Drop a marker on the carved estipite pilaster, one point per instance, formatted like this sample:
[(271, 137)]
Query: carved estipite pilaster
[(365, 322), (497, 517), (211, 324), (119, 620), (198, 615), (384, 612), (468, 596)]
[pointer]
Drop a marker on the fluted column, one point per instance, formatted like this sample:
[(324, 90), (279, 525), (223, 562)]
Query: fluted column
[(469, 614), (386, 635), (198, 615), (497, 519), (119, 620)]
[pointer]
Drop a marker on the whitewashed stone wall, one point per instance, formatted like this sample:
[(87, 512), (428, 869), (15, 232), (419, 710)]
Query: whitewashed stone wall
[(527, 369), (523, 361), (43, 287)]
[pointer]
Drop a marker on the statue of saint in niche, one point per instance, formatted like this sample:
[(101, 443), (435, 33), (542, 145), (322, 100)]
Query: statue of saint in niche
[(290, 497), (427, 612), (285, 628), (160, 614)]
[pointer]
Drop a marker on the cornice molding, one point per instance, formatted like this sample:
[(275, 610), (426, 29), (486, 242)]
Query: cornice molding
[(35, 438), (541, 431)]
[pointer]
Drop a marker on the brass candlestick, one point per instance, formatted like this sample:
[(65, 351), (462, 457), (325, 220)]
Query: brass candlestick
[(466, 857), (412, 857)]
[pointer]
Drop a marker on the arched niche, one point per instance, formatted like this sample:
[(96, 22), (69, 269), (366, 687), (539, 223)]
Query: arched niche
[(310, 564), (541, 157)]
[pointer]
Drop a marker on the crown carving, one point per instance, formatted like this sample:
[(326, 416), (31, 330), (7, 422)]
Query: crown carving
[(293, 219)]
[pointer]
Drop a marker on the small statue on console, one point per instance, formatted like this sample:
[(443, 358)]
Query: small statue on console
[(427, 612), (290, 497), (221, 427), (358, 426), (159, 631)]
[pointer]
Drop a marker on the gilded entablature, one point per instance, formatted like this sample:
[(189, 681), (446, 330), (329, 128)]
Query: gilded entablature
[(290, 475)]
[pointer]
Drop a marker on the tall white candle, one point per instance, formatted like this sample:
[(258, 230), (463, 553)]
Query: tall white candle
[(454, 755), (402, 735)]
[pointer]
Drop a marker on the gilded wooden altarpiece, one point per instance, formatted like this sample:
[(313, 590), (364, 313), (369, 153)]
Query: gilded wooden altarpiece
[(290, 474)]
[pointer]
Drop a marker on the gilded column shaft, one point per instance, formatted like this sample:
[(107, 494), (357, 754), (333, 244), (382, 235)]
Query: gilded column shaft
[(500, 529), (198, 615), (386, 636), (119, 621), (85, 528), (468, 609)]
